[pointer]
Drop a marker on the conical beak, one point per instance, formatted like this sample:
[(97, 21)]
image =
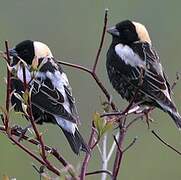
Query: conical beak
[(113, 31), (12, 52)]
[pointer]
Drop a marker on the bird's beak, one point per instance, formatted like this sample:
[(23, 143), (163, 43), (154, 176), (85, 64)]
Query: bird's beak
[(12, 52), (113, 31)]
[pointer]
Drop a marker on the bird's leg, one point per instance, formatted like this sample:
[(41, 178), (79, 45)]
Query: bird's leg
[(147, 116)]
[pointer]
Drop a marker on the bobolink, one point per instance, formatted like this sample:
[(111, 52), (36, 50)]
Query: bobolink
[(130, 56), (51, 94)]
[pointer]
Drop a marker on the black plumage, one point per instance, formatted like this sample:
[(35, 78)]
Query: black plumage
[(130, 56), (51, 94)]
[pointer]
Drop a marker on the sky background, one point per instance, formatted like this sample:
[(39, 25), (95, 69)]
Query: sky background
[(72, 30)]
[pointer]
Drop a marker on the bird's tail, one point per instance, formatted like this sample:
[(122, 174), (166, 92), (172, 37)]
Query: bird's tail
[(170, 108), (76, 141), (176, 117)]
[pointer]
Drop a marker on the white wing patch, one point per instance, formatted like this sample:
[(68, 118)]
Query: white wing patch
[(59, 81), (128, 56)]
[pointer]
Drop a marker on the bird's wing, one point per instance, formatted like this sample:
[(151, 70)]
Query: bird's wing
[(71, 100), (141, 57), (155, 79), (48, 98)]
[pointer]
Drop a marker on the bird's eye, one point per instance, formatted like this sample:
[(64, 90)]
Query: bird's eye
[(126, 30), (25, 51)]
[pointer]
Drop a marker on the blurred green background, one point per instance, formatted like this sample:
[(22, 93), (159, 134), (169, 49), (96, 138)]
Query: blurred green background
[(72, 30)]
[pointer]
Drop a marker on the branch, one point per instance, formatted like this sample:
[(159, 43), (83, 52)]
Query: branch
[(165, 143), (92, 71), (101, 43), (50, 150), (8, 87), (99, 172), (119, 153), (51, 168), (112, 147), (87, 156), (130, 145), (9, 131)]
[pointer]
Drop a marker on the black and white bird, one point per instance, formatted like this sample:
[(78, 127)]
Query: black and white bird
[(51, 94), (130, 56)]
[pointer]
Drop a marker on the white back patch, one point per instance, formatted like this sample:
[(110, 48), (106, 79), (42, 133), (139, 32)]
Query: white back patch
[(142, 32), (128, 56), (41, 50)]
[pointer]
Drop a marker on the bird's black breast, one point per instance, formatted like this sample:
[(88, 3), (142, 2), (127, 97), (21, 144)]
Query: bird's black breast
[(119, 73)]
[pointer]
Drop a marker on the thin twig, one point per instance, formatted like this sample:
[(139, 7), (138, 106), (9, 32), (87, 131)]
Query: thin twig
[(165, 143), (101, 43), (75, 66), (87, 157), (99, 172), (119, 153), (95, 77), (92, 72), (50, 150), (117, 144), (112, 148), (8, 87), (31, 118), (130, 145), (9, 131)]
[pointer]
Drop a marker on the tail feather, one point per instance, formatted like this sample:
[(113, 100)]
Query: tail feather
[(170, 108), (176, 117), (76, 141)]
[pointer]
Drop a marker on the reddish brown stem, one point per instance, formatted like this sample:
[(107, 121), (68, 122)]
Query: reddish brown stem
[(51, 168), (8, 87), (52, 151), (93, 71), (165, 143), (87, 157), (94, 75), (99, 172), (119, 154), (31, 118), (104, 90), (101, 43)]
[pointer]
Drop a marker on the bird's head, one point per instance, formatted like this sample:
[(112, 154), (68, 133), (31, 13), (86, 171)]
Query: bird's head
[(127, 32), (29, 50)]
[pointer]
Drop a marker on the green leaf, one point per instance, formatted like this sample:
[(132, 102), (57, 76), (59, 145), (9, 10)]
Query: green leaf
[(98, 122), (108, 126)]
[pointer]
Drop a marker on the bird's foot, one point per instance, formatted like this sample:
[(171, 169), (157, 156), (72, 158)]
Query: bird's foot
[(20, 130), (147, 113)]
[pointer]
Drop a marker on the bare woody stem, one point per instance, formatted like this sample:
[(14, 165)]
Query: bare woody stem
[(8, 87), (31, 118), (87, 156), (51, 150), (165, 143), (119, 154), (92, 71), (51, 168), (101, 43)]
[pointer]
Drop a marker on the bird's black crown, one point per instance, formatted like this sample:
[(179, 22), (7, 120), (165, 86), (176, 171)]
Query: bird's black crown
[(124, 32), (25, 50)]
